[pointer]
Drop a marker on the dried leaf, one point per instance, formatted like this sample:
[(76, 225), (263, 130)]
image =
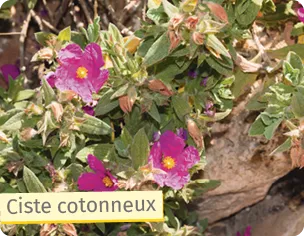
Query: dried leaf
[(218, 11), (247, 66)]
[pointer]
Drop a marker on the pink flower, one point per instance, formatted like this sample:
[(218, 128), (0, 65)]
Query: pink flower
[(51, 78), (100, 181), (300, 12), (247, 232), (9, 70), (170, 155), (81, 71)]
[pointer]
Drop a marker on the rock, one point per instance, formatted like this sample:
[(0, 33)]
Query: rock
[(243, 166)]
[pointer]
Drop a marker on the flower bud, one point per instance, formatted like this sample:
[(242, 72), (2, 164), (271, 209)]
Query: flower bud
[(218, 11), (158, 86), (3, 137), (191, 22), (126, 103), (175, 22), (47, 229), (198, 38), (69, 229), (67, 95), (57, 110), (36, 110), (46, 54), (27, 134), (175, 39), (195, 133)]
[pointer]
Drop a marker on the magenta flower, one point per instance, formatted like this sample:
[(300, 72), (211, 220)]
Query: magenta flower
[(182, 133), (100, 181), (81, 71), (170, 155), (300, 13), (247, 232), (9, 70), (51, 78), (89, 110)]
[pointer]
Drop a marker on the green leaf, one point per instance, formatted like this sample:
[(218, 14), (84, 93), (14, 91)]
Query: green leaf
[(65, 35), (213, 42), (117, 37), (24, 95), (8, 4), (269, 130), (93, 125), (106, 104), (126, 137), (31, 181), (170, 9), (101, 151), (140, 149), (101, 227), (181, 107), (257, 128), (14, 123), (48, 92), (154, 113), (283, 147), (283, 52), (158, 51), (242, 81), (31, 4), (43, 38), (298, 29), (93, 30), (158, 15), (75, 171), (297, 105)]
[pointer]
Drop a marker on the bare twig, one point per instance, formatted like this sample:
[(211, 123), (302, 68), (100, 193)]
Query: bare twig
[(37, 19), (85, 11), (61, 11), (10, 33), (259, 45), (42, 22), (22, 44), (95, 9), (50, 12)]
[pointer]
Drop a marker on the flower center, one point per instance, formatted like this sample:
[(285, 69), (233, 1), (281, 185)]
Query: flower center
[(168, 162), (107, 182), (82, 72)]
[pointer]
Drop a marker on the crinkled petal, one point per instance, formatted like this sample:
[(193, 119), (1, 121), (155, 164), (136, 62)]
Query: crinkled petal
[(156, 155), (175, 180), (66, 81), (9, 70), (98, 81), (96, 165), (70, 55), (90, 182), (300, 13), (189, 157), (171, 144), (89, 110), (93, 56)]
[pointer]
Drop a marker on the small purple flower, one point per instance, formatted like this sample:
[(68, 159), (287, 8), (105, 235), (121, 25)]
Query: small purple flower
[(300, 13), (182, 133), (209, 111), (192, 73), (247, 232), (81, 71), (204, 81), (170, 155), (100, 181), (156, 136), (89, 110), (9, 70)]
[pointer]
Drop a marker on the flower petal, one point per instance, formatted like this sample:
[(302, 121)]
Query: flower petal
[(98, 81), (9, 70), (171, 144), (156, 155), (90, 182), (175, 180), (96, 165), (189, 157), (93, 56), (70, 55), (51, 79), (300, 13)]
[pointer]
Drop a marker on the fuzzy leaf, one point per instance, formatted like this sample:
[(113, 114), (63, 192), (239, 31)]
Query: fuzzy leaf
[(140, 149), (31, 181), (93, 125)]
